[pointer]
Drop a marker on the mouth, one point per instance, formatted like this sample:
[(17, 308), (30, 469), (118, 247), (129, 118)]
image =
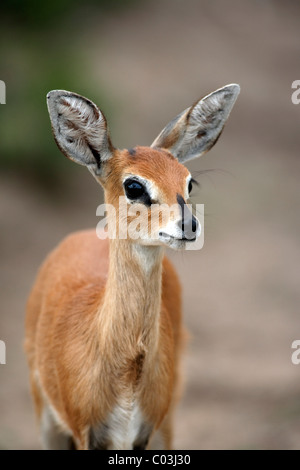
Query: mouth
[(166, 237)]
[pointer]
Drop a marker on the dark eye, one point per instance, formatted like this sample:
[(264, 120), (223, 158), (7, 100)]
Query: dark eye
[(190, 187), (134, 190)]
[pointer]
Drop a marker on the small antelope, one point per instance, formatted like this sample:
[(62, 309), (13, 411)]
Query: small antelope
[(103, 325)]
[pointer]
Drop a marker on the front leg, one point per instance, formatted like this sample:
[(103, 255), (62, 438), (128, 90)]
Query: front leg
[(52, 436)]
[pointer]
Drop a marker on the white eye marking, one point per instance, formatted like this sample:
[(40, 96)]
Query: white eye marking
[(188, 180)]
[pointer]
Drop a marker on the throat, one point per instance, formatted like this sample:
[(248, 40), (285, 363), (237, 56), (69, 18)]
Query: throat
[(149, 259), (132, 297), (128, 332)]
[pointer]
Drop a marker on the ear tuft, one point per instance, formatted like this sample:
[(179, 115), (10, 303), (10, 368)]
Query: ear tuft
[(80, 129)]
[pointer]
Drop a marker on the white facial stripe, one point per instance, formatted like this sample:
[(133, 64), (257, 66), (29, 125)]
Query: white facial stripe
[(149, 185), (152, 188)]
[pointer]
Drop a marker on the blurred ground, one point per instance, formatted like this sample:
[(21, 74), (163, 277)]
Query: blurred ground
[(241, 291)]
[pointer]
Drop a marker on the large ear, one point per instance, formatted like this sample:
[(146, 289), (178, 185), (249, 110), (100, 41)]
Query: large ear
[(194, 131), (80, 129)]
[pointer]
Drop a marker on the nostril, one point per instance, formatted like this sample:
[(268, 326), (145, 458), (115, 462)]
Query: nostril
[(194, 224), (181, 224), (189, 227), (189, 224)]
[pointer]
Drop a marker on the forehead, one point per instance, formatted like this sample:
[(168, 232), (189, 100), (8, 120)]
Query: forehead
[(156, 165)]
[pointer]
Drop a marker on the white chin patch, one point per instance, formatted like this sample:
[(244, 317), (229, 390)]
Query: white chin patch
[(172, 242)]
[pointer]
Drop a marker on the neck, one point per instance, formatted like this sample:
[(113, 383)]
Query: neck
[(132, 300)]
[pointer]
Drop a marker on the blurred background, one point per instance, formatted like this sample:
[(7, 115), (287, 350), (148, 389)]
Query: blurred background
[(142, 62)]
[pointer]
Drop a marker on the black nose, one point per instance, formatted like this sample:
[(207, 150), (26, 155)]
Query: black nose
[(188, 223), (189, 227)]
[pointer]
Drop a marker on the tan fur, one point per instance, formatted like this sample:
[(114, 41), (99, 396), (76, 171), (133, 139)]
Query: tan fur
[(98, 327), (103, 324), (84, 361)]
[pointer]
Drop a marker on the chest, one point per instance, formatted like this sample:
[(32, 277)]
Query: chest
[(125, 428)]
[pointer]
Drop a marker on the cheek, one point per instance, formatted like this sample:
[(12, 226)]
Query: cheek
[(114, 196), (153, 222), (160, 216), (137, 218)]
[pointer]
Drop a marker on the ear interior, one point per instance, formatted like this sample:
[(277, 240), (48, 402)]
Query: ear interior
[(194, 131), (80, 129)]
